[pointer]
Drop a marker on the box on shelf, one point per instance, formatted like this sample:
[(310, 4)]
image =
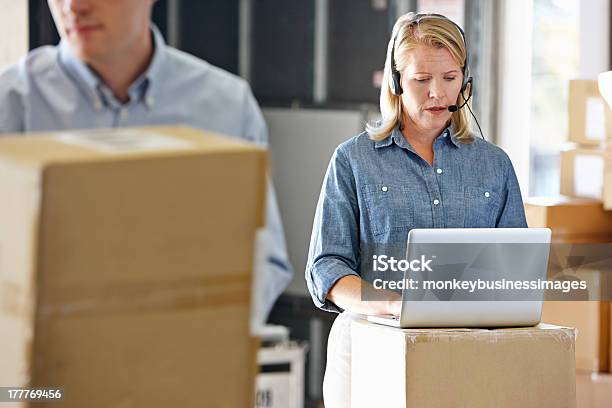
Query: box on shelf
[(125, 266), (583, 221), (572, 220), (593, 390), (604, 82), (590, 118), (587, 173), (462, 367), (592, 322)]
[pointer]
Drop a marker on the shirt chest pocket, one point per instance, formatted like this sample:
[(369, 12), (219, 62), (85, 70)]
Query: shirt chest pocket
[(482, 205), (388, 207)]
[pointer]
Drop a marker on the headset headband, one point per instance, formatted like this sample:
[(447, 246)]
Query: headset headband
[(416, 20)]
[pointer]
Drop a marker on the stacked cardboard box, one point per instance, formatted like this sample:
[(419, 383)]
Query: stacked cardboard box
[(592, 322), (586, 165), (572, 220), (587, 172), (125, 266), (604, 81), (590, 118), (518, 367), (593, 390), (582, 221)]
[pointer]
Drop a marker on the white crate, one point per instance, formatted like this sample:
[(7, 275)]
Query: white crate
[(283, 388)]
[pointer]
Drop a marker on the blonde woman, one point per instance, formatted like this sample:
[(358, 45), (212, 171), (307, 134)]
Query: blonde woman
[(420, 167)]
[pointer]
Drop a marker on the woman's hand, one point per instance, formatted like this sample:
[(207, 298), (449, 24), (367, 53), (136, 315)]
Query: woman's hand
[(348, 294), (394, 307)]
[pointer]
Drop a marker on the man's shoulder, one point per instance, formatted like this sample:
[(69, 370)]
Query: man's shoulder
[(16, 82), (192, 68), (35, 63)]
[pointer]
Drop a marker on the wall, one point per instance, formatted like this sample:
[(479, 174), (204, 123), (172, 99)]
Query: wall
[(13, 31)]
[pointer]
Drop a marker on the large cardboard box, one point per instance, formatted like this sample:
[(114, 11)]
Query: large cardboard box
[(593, 390), (582, 221), (590, 118), (572, 220), (125, 266), (587, 172), (604, 82), (531, 367), (592, 322)]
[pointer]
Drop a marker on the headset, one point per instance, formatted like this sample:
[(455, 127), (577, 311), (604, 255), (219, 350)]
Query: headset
[(396, 87)]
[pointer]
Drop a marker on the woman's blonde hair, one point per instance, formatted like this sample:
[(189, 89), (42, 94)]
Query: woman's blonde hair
[(409, 32)]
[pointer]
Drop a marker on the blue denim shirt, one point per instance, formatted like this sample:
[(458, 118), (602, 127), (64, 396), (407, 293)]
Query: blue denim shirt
[(375, 192)]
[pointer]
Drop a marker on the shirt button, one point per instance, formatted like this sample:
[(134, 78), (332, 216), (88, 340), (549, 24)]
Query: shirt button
[(439, 171), (487, 194), (124, 113), (384, 188), (436, 202)]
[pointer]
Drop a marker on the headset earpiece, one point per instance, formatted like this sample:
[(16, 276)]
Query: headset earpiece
[(467, 78), (396, 86), (467, 81)]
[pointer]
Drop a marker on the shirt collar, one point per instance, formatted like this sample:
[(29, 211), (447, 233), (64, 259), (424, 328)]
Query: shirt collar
[(398, 138), (142, 89), (449, 134), (80, 73)]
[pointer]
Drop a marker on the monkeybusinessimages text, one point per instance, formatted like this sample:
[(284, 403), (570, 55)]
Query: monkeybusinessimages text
[(384, 263)]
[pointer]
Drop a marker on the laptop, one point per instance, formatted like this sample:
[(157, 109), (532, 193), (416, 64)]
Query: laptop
[(480, 257)]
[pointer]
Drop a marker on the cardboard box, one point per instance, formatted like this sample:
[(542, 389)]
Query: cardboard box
[(607, 189), (125, 266), (590, 118), (520, 367), (587, 173), (593, 390), (604, 82), (592, 322), (577, 220), (572, 220)]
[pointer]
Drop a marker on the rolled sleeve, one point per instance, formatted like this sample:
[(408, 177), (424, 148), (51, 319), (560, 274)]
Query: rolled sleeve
[(334, 244), (513, 212)]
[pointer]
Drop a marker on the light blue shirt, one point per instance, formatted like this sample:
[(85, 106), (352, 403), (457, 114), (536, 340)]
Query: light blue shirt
[(52, 90), (375, 192)]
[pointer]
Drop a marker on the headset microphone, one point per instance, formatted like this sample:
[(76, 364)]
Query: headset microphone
[(455, 108)]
